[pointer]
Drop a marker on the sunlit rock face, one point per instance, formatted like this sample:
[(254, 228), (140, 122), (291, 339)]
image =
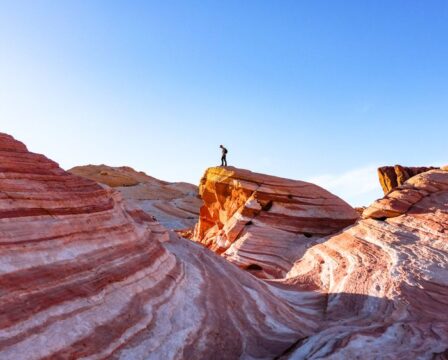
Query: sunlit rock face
[(392, 176), (85, 275), (264, 223), (386, 278), (174, 205)]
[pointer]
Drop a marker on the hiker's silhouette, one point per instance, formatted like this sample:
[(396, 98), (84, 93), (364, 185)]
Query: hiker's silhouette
[(224, 155)]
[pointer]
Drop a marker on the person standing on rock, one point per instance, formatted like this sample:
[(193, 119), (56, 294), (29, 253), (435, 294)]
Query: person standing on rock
[(224, 155)]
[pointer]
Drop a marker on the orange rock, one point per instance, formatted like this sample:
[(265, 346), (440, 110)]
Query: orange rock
[(263, 222), (114, 176), (175, 205), (392, 176)]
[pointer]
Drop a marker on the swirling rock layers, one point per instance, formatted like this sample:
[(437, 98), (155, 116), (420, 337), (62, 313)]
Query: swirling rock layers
[(83, 274), (403, 198), (264, 223), (386, 278)]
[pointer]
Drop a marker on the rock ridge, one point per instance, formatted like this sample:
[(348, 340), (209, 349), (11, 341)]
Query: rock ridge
[(174, 205)]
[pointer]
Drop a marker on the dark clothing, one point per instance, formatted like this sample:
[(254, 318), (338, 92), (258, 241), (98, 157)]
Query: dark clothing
[(224, 156), (223, 160)]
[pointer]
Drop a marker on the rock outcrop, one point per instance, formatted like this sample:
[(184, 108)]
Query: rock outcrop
[(175, 205), (84, 275), (264, 223), (386, 278), (392, 176), (400, 200)]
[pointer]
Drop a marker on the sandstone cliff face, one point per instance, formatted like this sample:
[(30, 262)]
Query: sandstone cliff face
[(174, 205), (392, 176), (84, 275), (264, 223)]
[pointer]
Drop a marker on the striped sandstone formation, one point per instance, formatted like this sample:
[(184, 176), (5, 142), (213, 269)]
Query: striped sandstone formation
[(386, 278), (84, 275), (264, 223), (407, 196), (174, 205)]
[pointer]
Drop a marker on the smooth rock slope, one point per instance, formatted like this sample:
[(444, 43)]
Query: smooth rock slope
[(175, 205), (264, 223)]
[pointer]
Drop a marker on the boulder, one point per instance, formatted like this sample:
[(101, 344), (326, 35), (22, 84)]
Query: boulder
[(264, 223)]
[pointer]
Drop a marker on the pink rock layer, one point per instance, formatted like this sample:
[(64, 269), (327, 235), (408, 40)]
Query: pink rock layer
[(386, 279), (264, 223)]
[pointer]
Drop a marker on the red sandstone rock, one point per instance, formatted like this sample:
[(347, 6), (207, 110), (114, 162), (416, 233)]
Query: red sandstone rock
[(175, 205), (265, 223), (85, 275), (387, 281), (404, 197), (392, 176)]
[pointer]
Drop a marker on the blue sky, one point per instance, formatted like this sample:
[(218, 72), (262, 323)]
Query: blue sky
[(314, 90)]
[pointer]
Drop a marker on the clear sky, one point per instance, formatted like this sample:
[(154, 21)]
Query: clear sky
[(314, 90)]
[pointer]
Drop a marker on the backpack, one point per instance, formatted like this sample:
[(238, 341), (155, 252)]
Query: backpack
[(225, 151)]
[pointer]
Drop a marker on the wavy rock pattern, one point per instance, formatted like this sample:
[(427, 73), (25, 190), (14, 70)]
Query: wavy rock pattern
[(84, 275), (396, 272), (174, 205), (264, 223), (403, 198)]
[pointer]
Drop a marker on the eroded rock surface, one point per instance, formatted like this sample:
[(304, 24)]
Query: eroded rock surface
[(85, 275), (386, 278), (393, 176), (175, 205), (264, 223), (405, 197)]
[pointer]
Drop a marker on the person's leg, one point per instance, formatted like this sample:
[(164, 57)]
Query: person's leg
[(225, 161), (222, 160)]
